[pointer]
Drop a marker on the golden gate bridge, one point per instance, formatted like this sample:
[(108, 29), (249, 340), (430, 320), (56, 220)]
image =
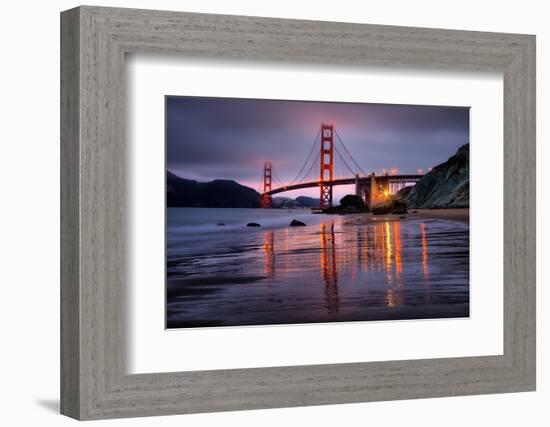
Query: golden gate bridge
[(318, 170)]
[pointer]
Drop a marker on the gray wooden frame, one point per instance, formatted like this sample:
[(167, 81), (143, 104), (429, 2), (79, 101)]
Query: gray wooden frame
[(94, 382)]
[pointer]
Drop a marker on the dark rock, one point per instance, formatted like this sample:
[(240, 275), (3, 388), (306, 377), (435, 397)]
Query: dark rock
[(351, 200), (394, 206), (403, 217), (253, 224), (220, 224), (350, 210), (349, 204), (414, 211), (296, 223)]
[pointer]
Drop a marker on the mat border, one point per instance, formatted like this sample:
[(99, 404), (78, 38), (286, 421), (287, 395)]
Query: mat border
[(94, 42)]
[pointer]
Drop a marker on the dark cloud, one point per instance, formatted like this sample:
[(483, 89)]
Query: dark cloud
[(210, 138)]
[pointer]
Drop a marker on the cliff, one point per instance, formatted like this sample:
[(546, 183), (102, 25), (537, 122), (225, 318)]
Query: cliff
[(445, 186)]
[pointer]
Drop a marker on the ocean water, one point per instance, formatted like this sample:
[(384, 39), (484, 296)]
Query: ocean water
[(337, 268)]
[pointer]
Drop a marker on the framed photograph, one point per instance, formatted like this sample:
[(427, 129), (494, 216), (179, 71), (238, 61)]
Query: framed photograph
[(262, 213)]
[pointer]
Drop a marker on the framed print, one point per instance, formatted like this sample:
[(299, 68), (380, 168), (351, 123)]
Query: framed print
[(345, 212)]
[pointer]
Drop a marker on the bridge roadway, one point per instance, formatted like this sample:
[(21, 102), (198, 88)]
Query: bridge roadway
[(345, 181)]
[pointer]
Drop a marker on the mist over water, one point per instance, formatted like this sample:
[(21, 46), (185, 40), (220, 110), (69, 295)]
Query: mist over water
[(337, 268)]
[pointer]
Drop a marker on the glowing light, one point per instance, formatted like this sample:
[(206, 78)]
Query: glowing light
[(388, 246), (269, 253), (397, 242), (424, 251), (420, 171), (390, 298)]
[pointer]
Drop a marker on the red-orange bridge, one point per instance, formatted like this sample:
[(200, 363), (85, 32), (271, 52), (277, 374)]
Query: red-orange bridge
[(371, 188)]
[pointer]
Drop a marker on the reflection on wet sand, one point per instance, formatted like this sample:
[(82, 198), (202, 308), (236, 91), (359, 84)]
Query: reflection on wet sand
[(377, 248), (269, 251), (382, 249), (329, 267), (335, 271)]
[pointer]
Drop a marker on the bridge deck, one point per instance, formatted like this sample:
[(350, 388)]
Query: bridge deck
[(344, 181)]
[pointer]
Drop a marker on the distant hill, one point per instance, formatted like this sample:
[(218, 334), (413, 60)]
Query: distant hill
[(283, 203), (307, 202), (298, 202), (445, 186), (219, 193)]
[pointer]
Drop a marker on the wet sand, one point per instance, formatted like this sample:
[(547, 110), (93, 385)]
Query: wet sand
[(338, 268), (462, 214)]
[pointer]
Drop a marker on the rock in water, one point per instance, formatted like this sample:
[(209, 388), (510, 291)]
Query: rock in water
[(253, 224), (296, 223), (221, 224)]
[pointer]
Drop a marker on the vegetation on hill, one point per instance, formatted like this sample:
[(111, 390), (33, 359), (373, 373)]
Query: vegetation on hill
[(219, 193), (445, 186)]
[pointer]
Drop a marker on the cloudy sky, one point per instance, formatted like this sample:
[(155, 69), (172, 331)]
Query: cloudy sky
[(218, 138)]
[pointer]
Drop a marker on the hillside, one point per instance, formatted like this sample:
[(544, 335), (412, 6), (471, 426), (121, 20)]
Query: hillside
[(445, 186), (298, 202), (219, 193)]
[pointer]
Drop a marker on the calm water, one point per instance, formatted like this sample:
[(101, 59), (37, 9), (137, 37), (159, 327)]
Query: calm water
[(337, 268)]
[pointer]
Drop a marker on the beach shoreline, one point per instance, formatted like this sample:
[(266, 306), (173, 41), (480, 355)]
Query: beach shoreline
[(455, 214), (355, 267)]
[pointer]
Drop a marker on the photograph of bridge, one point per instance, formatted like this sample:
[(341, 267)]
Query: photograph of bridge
[(292, 212)]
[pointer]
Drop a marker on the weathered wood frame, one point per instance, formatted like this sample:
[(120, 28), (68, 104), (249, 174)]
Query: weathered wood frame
[(94, 41)]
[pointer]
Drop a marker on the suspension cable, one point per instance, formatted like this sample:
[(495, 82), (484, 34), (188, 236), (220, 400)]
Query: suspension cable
[(349, 154), (277, 179), (345, 163), (307, 159), (314, 163)]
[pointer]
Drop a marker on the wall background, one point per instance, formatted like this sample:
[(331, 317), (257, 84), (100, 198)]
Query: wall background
[(29, 212)]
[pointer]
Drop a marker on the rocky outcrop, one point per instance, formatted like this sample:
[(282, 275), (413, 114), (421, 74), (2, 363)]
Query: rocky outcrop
[(296, 223), (393, 206), (446, 185), (349, 204)]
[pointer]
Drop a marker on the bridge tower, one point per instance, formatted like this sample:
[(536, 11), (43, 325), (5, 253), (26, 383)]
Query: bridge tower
[(266, 198), (327, 166)]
